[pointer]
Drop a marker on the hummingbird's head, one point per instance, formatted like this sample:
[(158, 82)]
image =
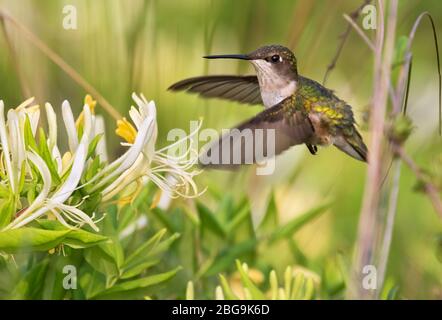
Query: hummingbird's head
[(276, 70), (270, 62), (274, 61)]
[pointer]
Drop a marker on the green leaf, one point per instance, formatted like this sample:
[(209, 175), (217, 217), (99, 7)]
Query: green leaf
[(7, 210), (297, 223), (164, 219), (226, 208), (52, 234), (79, 239), (114, 250), (254, 291), (332, 279), (93, 145), (29, 137), (228, 293), (92, 170), (91, 281), (149, 252), (309, 289), (118, 251), (25, 239), (47, 157), (298, 287), (393, 293), (192, 215), (209, 221), (76, 238), (103, 262), (30, 195), (226, 258), (400, 50), (138, 269), (21, 181), (30, 286), (270, 220), (390, 291), (242, 215), (4, 191), (145, 249), (141, 283)]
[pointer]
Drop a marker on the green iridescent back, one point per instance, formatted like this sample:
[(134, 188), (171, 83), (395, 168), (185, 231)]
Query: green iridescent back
[(313, 97)]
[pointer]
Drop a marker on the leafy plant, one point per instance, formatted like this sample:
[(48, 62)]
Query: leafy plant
[(113, 264)]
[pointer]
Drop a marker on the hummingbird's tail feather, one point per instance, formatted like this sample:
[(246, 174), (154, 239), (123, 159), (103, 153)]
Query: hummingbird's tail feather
[(352, 145)]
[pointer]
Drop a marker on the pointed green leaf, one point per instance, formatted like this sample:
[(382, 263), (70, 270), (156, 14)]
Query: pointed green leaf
[(47, 157), (270, 220), (226, 258), (228, 293), (297, 223), (138, 269), (138, 283), (209, 221), (93, 145), (31, 284), (149, 251), (30, 142), (254, 291), (30, 239), (75, 238), (7, 210)]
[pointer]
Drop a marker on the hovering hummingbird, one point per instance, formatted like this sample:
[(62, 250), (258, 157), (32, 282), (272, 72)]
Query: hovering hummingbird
[(299, 109)]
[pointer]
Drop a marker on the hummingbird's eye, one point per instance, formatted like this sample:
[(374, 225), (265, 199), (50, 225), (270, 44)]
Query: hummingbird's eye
[(276, 58)]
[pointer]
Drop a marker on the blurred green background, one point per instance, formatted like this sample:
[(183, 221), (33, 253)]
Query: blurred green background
[(145, 46)]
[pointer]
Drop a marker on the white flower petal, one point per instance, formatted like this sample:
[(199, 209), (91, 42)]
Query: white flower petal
[(25, 104), (101, 146), (16, 142), (5, 147), (56, 155), (33, 114), (131, 155), (52, 125), (124, 179), (136, 117), (71, 183), (69, 123), (42, 196)]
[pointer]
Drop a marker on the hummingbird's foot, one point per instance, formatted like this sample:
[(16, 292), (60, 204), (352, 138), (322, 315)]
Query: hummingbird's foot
[(312, 148)]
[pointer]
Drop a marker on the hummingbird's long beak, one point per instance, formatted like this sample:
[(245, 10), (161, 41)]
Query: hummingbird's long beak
[(229, 56)]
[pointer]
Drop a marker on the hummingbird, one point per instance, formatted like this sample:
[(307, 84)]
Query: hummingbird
[(299, 109)]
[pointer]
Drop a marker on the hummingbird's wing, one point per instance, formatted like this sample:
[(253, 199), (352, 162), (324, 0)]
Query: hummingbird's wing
[(243, 89), (262, 137)]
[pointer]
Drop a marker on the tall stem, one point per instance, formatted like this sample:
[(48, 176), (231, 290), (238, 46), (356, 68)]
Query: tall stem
[(372, 212)]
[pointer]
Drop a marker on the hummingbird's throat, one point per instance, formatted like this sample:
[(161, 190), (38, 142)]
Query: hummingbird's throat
[(273, 85), (273, 92)]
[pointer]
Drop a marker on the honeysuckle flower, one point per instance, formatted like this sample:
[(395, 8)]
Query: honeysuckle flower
[(53, 178), (91, 103), (12, 138), (142, 162), (55, 203)]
